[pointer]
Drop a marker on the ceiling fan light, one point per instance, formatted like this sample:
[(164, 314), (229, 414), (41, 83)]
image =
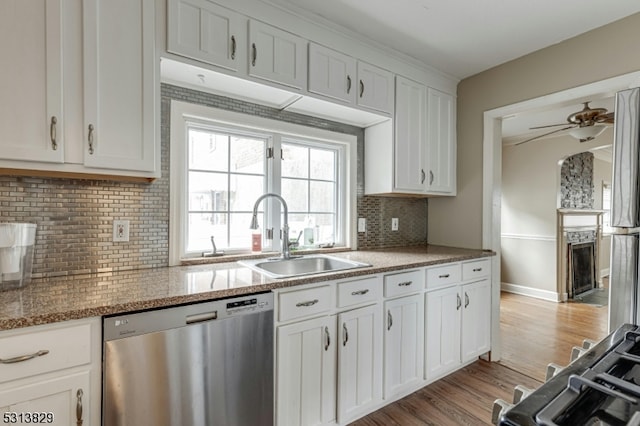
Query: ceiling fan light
[(587, 133)]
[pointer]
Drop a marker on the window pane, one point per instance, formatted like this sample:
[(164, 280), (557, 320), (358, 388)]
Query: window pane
[(240, 233), (208, 150), (322, 196), (323, 164), (245, 190), (296, 161), (325, 227), (202, 226), (295, 194), (207, 191), (297, 223), (247, 155)]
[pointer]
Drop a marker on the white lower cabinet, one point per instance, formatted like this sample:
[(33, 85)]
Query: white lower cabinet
[(458, 317), (403, 343), (52, 372), (359, 361), (442, 341), (306, 372)]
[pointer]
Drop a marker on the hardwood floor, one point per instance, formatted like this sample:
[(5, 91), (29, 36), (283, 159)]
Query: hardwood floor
[(534, 333)]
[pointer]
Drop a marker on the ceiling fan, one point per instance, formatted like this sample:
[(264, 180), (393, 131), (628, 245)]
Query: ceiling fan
[(587, 124)]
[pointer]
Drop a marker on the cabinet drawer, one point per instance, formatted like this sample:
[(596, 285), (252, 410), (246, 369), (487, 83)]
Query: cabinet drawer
[(359, 291), (67, 347), (443, 275), (403, 283), (477, 269), (301, 303)]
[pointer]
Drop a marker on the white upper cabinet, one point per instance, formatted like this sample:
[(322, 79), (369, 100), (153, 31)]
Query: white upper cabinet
[(410, 136), (332, 73), (31, 114), (375, 88), (277, 56), (441, 142), (120, 84), (204, 31)]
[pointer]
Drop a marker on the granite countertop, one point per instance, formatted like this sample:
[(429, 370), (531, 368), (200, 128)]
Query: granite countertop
[(49, 300)]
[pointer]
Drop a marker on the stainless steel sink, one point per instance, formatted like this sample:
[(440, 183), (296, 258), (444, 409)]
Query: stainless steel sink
[(303, 265)]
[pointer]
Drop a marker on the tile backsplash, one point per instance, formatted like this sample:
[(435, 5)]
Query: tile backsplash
[(75, 216)]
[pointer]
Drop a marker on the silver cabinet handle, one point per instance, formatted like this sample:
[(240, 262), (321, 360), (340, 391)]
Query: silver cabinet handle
[(466, 299), (327, 339), (233, 47), (90, 138), (477, 269), (459, 302), (360, 292), (53, 133), (348, 84), (23, 358), (444, 276), (422, 176), (309, 303), (345, 332), (405, 284), (254, 54), (361, 88), (79, 407), (389, 320), (431, 177)]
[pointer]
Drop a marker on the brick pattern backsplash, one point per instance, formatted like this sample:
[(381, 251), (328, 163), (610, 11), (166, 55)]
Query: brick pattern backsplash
[(75, 216)]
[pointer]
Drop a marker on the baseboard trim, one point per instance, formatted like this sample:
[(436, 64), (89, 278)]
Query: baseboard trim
[(604, 273), (532, 292)]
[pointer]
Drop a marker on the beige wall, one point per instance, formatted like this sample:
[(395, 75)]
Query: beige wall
[(599, 54)]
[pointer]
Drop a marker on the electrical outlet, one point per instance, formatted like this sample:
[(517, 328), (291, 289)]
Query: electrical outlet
[(120, 231), (362, 224), (394, 224)]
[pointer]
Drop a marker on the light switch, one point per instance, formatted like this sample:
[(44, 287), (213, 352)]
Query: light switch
[(362, 224), (394, 224)]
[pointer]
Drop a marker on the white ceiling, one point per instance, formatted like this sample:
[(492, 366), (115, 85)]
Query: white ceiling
[(465, 37)]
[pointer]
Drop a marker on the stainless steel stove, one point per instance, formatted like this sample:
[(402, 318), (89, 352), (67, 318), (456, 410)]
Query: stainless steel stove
[(602, 387)]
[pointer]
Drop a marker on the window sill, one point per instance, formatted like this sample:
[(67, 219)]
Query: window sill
[(244, 256)]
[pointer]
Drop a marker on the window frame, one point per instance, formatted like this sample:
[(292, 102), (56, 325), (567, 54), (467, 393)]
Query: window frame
[(183, 113)]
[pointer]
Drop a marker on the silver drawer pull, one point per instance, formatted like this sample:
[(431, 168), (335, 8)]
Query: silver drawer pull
[(360, 292), (405, 284), (309, 303), (23, 357), (477, 269), (444, 276)]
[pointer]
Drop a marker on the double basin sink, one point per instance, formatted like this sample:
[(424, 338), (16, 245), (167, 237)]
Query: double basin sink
[(300, 265)]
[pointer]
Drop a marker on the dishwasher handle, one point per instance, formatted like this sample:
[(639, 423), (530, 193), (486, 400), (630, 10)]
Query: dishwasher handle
[(205, 316)]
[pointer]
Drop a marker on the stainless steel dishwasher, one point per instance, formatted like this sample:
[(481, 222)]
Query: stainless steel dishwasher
[(204, 364)]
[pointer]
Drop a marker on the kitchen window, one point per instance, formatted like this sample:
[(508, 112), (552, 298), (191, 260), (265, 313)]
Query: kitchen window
[(222, 161)]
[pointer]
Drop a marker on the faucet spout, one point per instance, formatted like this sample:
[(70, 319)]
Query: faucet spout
[(286, 253)]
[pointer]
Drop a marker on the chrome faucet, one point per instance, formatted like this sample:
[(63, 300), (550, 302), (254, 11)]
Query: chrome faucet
[(286, 253)]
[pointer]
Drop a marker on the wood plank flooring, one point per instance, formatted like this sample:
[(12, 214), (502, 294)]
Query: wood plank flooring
[(534, 333)]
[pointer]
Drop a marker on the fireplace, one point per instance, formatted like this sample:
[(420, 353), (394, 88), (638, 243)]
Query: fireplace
[(582, 267)]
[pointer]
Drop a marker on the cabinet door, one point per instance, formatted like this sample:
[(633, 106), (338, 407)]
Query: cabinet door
[(61, 396), (359, 361), (306, 372), (332, 73), (442, 337), (375, 88), (476, 319), (410, 136), (120, 84), (31, 80), (441, 141), (403, 343), (206, 32), (277, 55)]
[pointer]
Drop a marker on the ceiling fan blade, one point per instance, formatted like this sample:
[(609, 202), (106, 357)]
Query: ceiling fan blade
[(550, 125), (545, 134), (606, 118)]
